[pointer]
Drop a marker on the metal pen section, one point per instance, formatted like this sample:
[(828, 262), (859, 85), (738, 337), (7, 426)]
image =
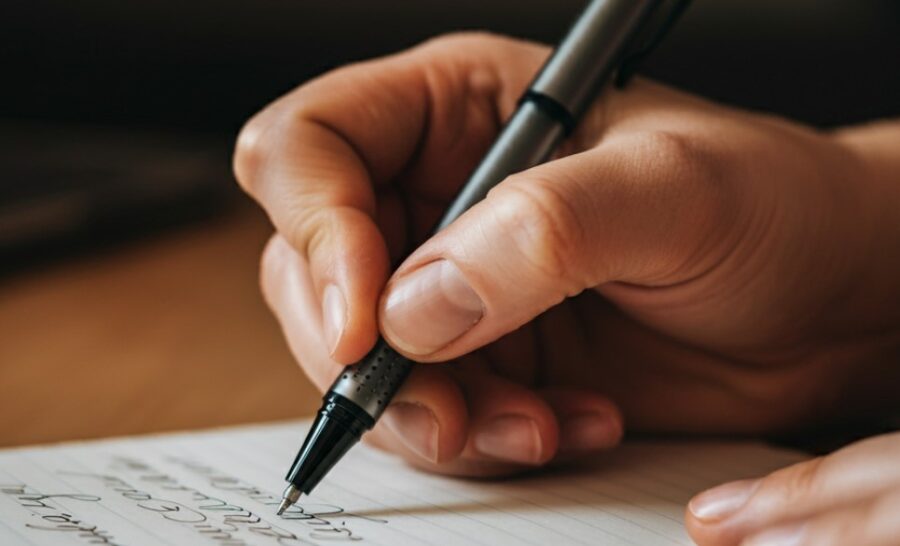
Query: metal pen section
[(373, 381), (591, 50), (527, 139)]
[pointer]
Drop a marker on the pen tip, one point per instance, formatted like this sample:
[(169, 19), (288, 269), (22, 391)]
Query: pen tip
[(285, 504), (290, 496)]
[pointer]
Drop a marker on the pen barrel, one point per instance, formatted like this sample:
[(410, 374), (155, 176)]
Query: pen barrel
[(527, 139), (592, 49)]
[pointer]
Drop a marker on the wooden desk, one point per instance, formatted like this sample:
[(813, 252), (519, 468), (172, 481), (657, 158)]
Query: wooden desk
[(164, 334)]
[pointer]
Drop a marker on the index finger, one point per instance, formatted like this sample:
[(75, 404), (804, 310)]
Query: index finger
[(312, 158)]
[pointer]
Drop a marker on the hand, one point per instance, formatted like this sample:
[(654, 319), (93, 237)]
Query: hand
[(709, 270), (851, 497)]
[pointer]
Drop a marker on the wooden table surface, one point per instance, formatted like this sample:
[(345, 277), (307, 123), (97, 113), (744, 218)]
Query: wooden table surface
[(162, 334)]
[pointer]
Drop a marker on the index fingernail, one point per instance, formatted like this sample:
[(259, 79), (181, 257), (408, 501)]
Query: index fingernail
[(334, 316)]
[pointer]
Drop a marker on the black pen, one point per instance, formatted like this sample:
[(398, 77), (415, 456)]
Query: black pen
[(609, 37)]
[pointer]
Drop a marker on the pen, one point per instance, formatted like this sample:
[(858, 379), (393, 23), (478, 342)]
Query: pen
[(610, 36)]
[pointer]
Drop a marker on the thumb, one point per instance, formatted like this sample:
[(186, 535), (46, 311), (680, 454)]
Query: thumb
[(635, 209)]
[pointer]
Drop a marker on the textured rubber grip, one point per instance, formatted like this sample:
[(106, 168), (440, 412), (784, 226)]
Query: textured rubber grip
[(372, 382)]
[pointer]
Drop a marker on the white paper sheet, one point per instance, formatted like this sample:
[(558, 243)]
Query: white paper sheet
[(222, 487)]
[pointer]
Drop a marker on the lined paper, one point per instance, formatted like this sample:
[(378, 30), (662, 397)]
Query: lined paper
[(222, 487)]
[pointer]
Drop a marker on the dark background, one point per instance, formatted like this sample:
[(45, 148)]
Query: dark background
[(118, 117)]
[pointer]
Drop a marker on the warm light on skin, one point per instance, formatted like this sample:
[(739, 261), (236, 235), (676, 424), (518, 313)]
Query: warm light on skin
[(683, 256)]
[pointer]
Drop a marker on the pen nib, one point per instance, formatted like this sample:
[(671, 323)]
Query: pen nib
[(285, 504), (291, 495)]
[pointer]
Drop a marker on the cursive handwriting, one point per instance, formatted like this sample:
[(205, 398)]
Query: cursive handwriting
[(53, 518), (314, 514), (225, 531), (326, 521)]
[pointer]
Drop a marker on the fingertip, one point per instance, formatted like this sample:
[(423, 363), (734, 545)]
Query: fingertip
[(588, 421), (357, 334), (417, 428), (288, 291), (588, 432), (714, 516), (698, 532), (517, 437), (509, 422), (274, 260), (711, 534), (349, 266), (432, 389)]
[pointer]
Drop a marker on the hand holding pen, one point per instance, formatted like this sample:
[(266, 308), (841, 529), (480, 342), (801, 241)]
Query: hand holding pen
[(656, 268)]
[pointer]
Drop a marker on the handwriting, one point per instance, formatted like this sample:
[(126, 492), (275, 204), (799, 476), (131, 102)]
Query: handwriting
[(216, 517), (319, 515), (54, 518), (225, 532)]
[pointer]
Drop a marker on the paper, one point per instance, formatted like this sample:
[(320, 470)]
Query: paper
[(222, 487)]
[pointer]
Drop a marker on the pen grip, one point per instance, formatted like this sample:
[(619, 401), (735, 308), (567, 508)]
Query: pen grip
[(529, 137), (372, 382)]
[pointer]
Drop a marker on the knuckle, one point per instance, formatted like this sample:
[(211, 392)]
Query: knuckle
[(250, 150), (682, 156), (307, 228), (543, 226), (468, 39), (690, 174), (798, 483), (670, 149)]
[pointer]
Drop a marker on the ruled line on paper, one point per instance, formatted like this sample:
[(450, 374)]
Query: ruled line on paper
[(220, 487)]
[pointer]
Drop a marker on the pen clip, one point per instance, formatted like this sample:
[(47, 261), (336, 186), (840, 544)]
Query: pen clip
[(659, 24)]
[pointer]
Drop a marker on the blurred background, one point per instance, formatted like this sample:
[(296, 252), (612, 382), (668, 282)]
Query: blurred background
[(128, 258)]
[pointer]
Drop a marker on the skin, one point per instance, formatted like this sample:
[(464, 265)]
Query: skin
[(849, 497), (679, 267)]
